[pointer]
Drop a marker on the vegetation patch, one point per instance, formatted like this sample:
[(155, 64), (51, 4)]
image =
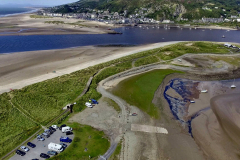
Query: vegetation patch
[(139, 90), (146, 60), (39, 16), (15, 127), (113, 104), (87, 142)]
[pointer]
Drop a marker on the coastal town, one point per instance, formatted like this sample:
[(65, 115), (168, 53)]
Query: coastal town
[(140, 17)]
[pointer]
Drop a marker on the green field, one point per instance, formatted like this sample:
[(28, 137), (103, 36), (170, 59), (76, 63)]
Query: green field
[(43, 101), (15, 127), (88, 138), (139, 90)]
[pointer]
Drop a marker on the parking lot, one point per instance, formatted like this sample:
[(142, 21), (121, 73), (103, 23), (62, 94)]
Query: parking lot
[(41, 146)]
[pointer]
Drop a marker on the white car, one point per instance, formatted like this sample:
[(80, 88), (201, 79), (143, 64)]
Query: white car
[(55, 126), (40, 138), (89, 105), (26, 149)]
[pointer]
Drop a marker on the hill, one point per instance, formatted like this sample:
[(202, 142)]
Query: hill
[(157, 9)]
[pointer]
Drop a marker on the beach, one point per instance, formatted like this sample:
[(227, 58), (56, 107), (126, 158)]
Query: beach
[(23, 24), (24, 68)]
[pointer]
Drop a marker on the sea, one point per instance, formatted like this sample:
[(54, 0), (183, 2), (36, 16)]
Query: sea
[(4, 11)]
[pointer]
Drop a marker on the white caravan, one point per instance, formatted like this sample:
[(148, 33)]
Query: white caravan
[(66, 129), (55, 147)]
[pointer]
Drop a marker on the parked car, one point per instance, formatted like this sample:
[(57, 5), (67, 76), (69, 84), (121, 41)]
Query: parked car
[(134, 114), (44, 134), (26, 149), (21, 153), (52, 153), (66, 129), (31, 145), (55, 126), (65, 139), (89, 105), (63, 144), (48, 131), (35, 159), (40, 138), (52, 129), (43, 155), (94, 101), (64, 125), (69, 133)]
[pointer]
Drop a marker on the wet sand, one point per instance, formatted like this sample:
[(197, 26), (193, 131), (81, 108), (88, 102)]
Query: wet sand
[(214, 117)]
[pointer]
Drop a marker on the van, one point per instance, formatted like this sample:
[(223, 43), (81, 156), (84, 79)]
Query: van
[(66, 129), (55, 147), (89, 105)]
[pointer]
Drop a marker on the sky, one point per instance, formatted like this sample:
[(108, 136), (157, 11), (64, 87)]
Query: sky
[(37, 2)]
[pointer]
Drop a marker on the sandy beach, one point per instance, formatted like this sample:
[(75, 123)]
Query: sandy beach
[(23, 24), (18, 70)]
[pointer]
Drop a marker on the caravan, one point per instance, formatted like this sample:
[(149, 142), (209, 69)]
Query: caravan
[(66, 129), (55, 147)]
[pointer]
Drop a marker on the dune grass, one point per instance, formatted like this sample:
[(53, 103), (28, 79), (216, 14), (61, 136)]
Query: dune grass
[(39, 16), (15, 127), (139, 90), (85, 137)]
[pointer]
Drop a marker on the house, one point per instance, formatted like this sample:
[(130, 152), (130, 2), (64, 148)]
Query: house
[(166, 21)]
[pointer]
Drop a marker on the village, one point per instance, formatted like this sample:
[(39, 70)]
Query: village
[(139, 17)]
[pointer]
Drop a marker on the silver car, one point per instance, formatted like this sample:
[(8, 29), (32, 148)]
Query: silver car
[(24, 148)]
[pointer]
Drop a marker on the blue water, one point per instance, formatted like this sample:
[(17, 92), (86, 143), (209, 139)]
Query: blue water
[(12, 11), (131, 36)]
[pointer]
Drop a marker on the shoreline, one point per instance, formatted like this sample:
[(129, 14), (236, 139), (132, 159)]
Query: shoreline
[(54, 63)]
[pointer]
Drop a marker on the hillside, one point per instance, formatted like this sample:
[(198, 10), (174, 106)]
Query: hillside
[(157, 9)]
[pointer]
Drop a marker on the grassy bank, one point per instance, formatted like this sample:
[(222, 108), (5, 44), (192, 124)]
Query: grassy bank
[(39, 16), (139, 90), (45, 100), (87, 142)]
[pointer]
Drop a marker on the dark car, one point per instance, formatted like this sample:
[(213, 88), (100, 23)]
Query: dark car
[(31, 145), (21, 153), (52, 153), (52, 129), (69, 133), (35, 159), (64, 125), (63, 145), (43, 155)]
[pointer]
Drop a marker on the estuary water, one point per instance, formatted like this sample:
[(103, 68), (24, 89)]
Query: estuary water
[(130, 36)]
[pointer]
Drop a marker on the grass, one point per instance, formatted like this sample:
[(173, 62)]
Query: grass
[(112, 104), (54, 22), (39, 16), (43, 101), (146, 60), (84, 137), (139, 90)]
